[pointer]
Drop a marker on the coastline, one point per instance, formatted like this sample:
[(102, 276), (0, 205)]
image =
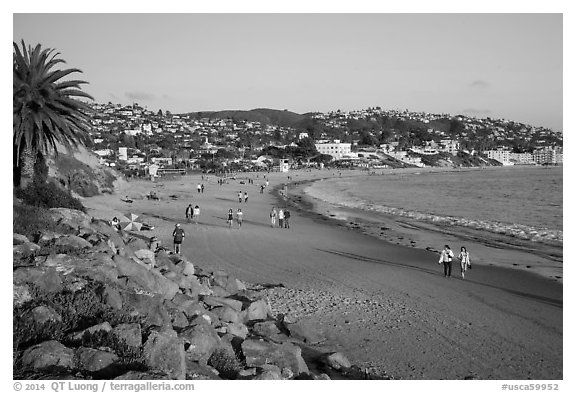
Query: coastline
[(386, 306), (491, 249)]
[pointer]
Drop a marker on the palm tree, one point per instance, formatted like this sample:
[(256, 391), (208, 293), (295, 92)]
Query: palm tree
[(46, 111)]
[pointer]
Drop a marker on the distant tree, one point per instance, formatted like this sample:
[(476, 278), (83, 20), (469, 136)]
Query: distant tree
[(307, 147), (45, 110)]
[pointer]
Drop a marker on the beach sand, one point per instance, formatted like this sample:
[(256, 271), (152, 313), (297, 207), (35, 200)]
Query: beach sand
[(387, 306)]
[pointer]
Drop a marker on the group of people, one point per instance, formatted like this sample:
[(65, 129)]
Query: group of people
[(200, 188), (283, 217), (192, 213), (240, 197), (239, 217), (446, 257)]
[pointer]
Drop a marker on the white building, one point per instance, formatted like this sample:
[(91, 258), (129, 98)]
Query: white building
[(499, 155), (123, 153), (335, 149)]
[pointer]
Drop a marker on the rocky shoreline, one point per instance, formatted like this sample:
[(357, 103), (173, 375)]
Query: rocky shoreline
[(90, 302)]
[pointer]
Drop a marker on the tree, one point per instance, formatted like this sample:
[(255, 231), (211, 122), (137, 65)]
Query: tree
[(45, 110)]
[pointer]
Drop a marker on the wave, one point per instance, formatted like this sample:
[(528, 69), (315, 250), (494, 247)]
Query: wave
[(526, 232)]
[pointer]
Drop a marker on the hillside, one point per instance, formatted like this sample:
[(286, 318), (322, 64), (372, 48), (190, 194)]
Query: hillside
[(282, 118)]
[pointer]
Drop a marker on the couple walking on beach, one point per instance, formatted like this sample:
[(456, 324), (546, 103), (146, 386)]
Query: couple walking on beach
[(446, 257), (192, 213), (283, 216), (239, 218)]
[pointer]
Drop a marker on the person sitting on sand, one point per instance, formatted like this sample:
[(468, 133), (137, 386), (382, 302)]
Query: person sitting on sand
[(239, 217), (178, 235), (446, 258), (464, 257), (116, 223)]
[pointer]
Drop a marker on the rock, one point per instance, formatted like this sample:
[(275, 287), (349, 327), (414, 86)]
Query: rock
[(219, 291), (237, 329), (74, 283), (178, 318), (258, 353), (338, 361), (94, 238), (197, 371), (305, 333), (197, 288), (104, 246), (72, 242), (193, 309), (287, 373), (200, 341), (215, 301), (149, 280), (112, 297), (24, 250), (21, 239), (270, 330), (44, 314), (219, 278), (94, 360), (49, 354), (269, 375), (102, 327), (188, 268), (165, 351), (137, 244), (140, 376), (20, 295), (259, 310), (130, 333), (45, 278), (112, 235), (248, 372), (72, 218), (148, 307), (227, 314), (163, 261), (146, 256), (96, 266)]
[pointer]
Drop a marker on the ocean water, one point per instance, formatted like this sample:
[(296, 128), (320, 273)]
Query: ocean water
[(523, 202)]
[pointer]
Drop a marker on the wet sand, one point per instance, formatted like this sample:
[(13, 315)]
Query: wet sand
[(387, 306)]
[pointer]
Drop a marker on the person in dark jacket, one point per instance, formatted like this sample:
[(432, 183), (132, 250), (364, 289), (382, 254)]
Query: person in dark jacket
[(178, 235)]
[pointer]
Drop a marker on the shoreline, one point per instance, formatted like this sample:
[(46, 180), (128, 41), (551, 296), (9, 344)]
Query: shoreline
[(491, 249), (386, 306)]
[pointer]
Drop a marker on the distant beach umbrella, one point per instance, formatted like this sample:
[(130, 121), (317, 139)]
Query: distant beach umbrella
[(129, 223)]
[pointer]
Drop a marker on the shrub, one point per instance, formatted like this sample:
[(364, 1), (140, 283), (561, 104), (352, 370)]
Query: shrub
[(226, 363), (48, 195), (32, 220)]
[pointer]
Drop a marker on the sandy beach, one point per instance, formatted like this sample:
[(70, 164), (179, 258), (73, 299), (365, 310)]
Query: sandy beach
[(387, 306)]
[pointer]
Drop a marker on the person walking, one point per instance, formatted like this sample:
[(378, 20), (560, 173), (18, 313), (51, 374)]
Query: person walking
[(230, 218), (239, 217), (202, 188), (245, 197), (239, 196), (286, 218), (189, 213), (199, 188), (281, 218), (178, 235), (446, 258), (196, 214), (273, 215), (464, 257)]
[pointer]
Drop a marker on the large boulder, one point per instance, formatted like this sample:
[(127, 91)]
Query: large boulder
[(71, 218), (146, 256), (45, 278), (95, 361), (269, 330), (200, 341), (20, 295), (96, 266), (337, 361), (259, 310), (149, 280), (19, 239), (48, 355), (305, 332), (165, 351), (227, 314), (129, 333), (101, 327), (237, 329), (259, 352), (112, 297), (149, 308), (137, 244), (72, 242), (24, 249), (44, 314), (188, 268)]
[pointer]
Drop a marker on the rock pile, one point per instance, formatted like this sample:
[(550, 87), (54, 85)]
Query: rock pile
[(92, 302)]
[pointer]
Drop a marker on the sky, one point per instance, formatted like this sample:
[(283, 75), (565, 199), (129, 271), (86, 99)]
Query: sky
[(485, 65)]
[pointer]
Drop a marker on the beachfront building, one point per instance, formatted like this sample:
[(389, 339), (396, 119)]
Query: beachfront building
[(548, 155), (336, 149), (522, 158), (450, 146), (500, 155)]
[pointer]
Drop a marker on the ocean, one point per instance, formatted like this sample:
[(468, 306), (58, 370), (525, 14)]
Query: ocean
[(523, 202)]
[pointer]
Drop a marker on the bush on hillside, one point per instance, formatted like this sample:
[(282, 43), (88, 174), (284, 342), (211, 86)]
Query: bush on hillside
[(31, 221), (48, 195)]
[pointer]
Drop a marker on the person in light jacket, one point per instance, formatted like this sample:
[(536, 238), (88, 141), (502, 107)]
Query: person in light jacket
[(446, 258), (464, 257)]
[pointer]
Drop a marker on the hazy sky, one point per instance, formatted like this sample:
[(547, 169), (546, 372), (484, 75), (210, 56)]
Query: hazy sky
[(486, 65)]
